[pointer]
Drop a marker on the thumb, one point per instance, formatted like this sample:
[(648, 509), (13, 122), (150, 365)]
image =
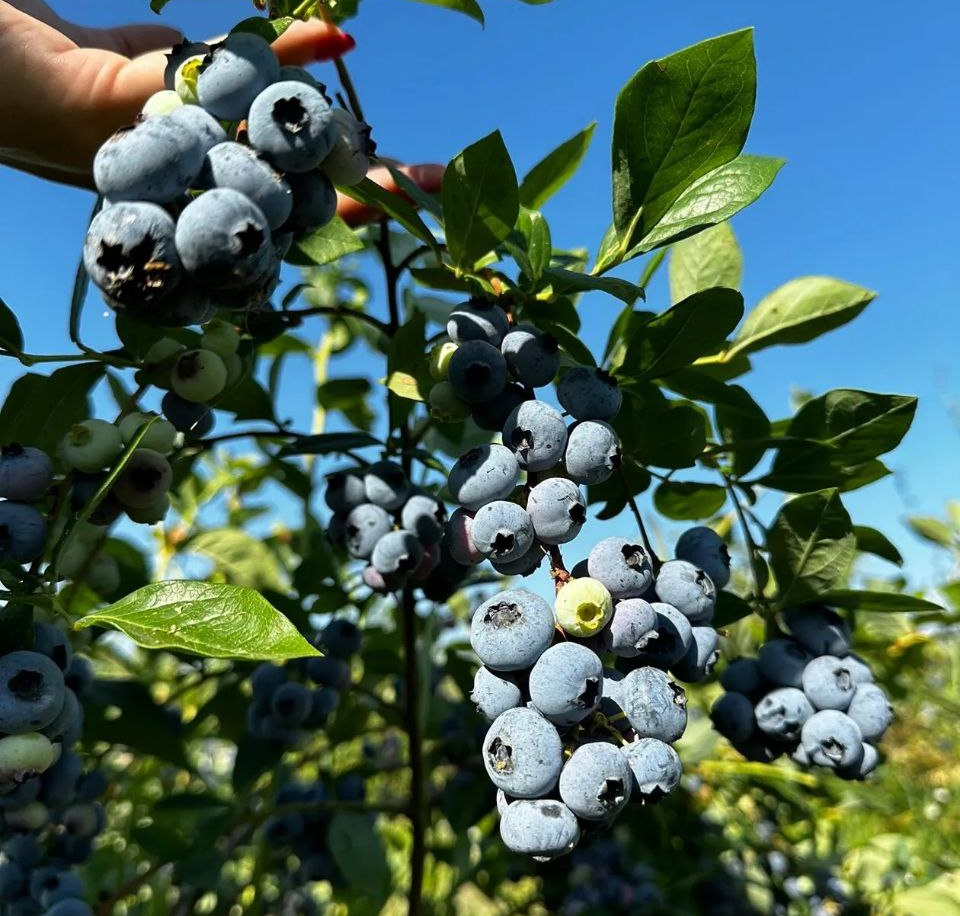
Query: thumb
[(128, 40)]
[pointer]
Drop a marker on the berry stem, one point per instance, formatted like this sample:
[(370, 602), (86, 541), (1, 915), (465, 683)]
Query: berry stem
[(635, 509), (558, 568), (751, 545), (345, 81)]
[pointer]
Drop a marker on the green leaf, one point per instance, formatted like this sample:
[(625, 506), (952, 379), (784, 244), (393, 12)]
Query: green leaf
[(406, 386), (888, 602), (800, 311), (480, 200), (333, 241), (329, 444), (358, 851), (216, 621), (468, 7), (428, 202), (242, 558), (569, 281), (812, 546), (40, 409), (932, 530), (730, 608), (679, 440), (556, 168), (683, 501), (741, 422), (247, 400), (614, 493), (710, 258), (677, 119), (268, 29), (533, 254), (679, 336), (870, 540), (254, 757), (157, 5), (11, 337), (393, 205), (710, 200)]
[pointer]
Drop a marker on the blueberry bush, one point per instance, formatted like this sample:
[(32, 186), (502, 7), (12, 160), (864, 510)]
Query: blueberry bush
[(248, 668)]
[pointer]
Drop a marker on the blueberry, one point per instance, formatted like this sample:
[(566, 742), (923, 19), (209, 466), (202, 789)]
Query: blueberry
[(70, 907), (79, 675), (871, 710), (290, 704), (689, 589), (223, 239), (323, 704), (23, 794), (478, 319), (345, 490), (459, 539), (742, 675), (589, 394), (91, 445), (423, 516), (31, 691), (867, 764), (782, 662), (381, 583), (348, 161), (155, 160), (482, 475), (493, 694), (673, 637), (532, 355), (145, 478), (502, 531), (24, 849), (858, 668), (396, 553), (292, 124), (523, 753), (583, 607), (329, 671), (733, 716), (536, 434), (782, 713), (819, 630), (314, 202), (25, 472), (82, 820), (12, 881), (68, 720), (386, 485), (492, 415), (828, 683), (365, 525), (540, 827), (705, 549), (656, 768), (178, 55), (189, 418), (524, 565), (234, 73), (232, 165), (203, 125), (655, 706), (52, 642), (445, 405), (593, 452), (160, 437), (22, 757), (623, 566), (596, 781), (632, 625), (60, 781), (341, 638), (701, 657), (566, 683), (92, 786), (511, 630), (832, 739), (477, 372), (557, 510)]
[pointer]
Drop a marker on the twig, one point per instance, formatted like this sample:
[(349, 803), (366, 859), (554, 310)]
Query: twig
[(635, 509), (337, 311), (751, 545), (414, 728)]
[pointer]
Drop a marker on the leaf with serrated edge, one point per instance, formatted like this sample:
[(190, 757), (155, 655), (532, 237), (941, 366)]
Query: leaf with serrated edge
[(215, 621)]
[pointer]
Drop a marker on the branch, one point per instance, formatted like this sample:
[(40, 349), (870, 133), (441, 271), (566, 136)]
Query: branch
[(338, 311), (414, 728)]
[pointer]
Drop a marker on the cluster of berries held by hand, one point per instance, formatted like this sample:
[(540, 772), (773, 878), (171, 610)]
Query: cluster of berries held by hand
[(221, 174), (805, 695), (283, 706), (49, 814)]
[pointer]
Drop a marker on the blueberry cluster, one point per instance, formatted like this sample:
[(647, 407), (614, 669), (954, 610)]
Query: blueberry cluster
[(282, 706), (222, 172), (604, 878), (805, 695), (380, 517), (49, 815), (25, 477)]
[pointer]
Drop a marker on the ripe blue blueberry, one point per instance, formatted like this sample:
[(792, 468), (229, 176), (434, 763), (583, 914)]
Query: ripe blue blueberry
[(68, 721), (871, 710), (365, 525), (782, 713), (540, 827), (589, 394), (23, 532), (596, 781), (533, 356), (290, 704), (690, 590), (832, 739), (329, 671), (733, 716), (632, 626), (742, 675), (593, 452), (345, 490), (502, 531), (13, 881), (493, 694), (234, 73), (536, 434), (459, 539), (706, 550), (341, 638), (524, 565), (423, 516), (25, 472), (232, 165), (386, 485), (701, 657), (190, 418), (656, 768), (557, 510), (673, 637), (523, 753), (818, 629), (655, 706), (478, 319), (858, 668), (622, 566), (396, 553), (204, 126), (566, 683), (477, 372), (492, 415), (867, 764), (511, 630), (314, 202), (482, 475), (60, 781), (64, 886), (828, 683), (292, 124), (70, 907), (782, 662)]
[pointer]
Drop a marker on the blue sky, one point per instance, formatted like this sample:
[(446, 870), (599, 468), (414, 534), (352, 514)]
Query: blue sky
[(860, 98)]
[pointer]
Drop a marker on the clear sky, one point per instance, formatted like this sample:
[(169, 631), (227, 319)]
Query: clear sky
[(861, 98)]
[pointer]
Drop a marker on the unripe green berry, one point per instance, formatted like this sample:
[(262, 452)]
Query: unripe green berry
[(234, 368), (185, 81), (220, 337), (152, 514), (103, 576), (583, 607), (165, 348), (23, 757), (199, 376), (161, 103), (445, 406), (92, 445), (161, 436), (439, 360), (75, 557), (30, 817)]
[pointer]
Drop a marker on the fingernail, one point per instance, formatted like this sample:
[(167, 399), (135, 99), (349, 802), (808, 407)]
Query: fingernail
[(332, 45)]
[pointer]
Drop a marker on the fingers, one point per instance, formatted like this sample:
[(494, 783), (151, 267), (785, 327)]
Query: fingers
[(429, 177), (128, 40), (307, 42)]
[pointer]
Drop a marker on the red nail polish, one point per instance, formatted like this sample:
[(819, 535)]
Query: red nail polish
[(332, 45)]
